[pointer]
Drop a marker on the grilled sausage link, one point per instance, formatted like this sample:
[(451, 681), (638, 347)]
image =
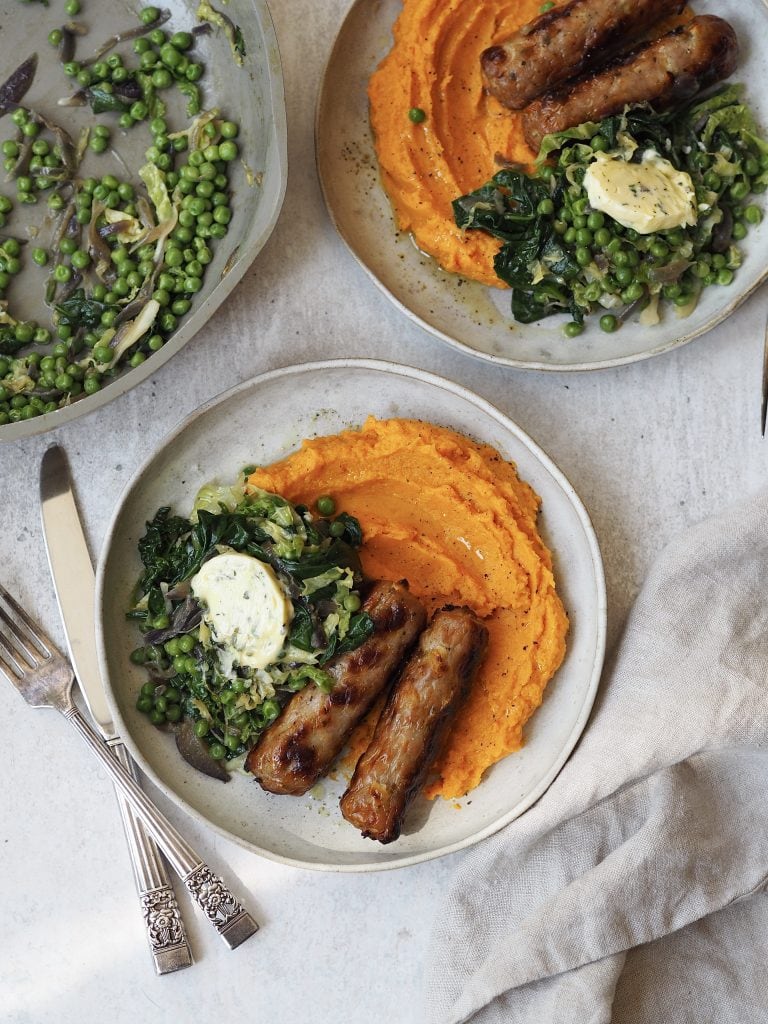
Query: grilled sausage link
[(304, 741), (414, 722), (665, 72), (564, 42)]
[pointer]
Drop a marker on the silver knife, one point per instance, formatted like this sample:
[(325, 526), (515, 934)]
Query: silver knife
[(74, 582)]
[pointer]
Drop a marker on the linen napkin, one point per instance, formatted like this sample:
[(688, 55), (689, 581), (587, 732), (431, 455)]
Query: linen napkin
[(633, 891)]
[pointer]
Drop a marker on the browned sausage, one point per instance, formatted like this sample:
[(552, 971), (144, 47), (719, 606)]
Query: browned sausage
[(414, 723), (663, 73), (304, 741), (566, 41)]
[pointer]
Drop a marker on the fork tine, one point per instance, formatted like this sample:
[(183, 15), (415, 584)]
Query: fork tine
[(25, 629), (8, 661), (13, 642)]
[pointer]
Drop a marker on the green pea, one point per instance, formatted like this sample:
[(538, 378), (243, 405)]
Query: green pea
[(337, 528), (80, 259), (138, 110), (91, 385), (546, 207), (724, 276), (24, 333), (182, 40), (595, 220), (201, 728), (739, 231), (102, 354), (352, 602), (62, 273), (187, 643), (31, 129), (97, 144), (325, 505), (583, 256), (222, 215), (753, 214), (156, 716), (170, 56), (713, 181), (40, 256), (84, 77), (20, 115), (228, 150), (147, 15), (55, 36), (229, 130), (161, 78), (155, 343), (573, 329), (217, 751), (602, 237), (144, 704), (633, 292), (608, 323), (72, 7)]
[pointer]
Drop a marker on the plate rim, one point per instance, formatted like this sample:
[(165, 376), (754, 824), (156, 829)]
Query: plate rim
[(596, 562), (278, 141), (455, 343)]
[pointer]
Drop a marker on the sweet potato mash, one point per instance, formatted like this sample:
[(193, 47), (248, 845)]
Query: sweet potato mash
[(434, 66), (453, 518)]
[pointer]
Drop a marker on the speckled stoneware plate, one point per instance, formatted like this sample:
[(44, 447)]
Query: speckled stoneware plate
[(261, 421), (462, 313), (252, 95)]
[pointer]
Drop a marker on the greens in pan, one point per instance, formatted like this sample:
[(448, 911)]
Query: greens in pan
[(561, 255), (241, 605)]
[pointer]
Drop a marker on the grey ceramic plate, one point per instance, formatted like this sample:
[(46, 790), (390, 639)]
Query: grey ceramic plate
[(252, 95), (462, 313), (257, 423)]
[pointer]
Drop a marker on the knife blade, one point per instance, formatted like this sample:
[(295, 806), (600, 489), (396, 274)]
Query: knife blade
[(75, 585), (74, 581)]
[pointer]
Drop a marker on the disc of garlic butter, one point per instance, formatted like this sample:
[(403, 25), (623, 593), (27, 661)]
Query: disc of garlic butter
[(649, 196), (245, 607)]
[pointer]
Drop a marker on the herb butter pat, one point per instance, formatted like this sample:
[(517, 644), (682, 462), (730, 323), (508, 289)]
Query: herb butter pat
[(648, 196), (245, 606)]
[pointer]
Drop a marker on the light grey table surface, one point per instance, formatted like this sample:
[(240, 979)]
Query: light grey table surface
[(650, 448)]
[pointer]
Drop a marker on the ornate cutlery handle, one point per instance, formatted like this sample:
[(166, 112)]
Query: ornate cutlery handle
[(162, 917), (231, 921)]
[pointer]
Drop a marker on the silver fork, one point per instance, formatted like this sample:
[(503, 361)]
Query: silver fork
[(44, 677)]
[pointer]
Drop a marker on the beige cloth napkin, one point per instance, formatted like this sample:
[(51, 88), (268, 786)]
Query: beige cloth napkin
[(633, 892)]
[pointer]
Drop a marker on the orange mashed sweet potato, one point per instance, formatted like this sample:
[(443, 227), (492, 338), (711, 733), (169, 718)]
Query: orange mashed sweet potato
[(466, 134), (453, 518)]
